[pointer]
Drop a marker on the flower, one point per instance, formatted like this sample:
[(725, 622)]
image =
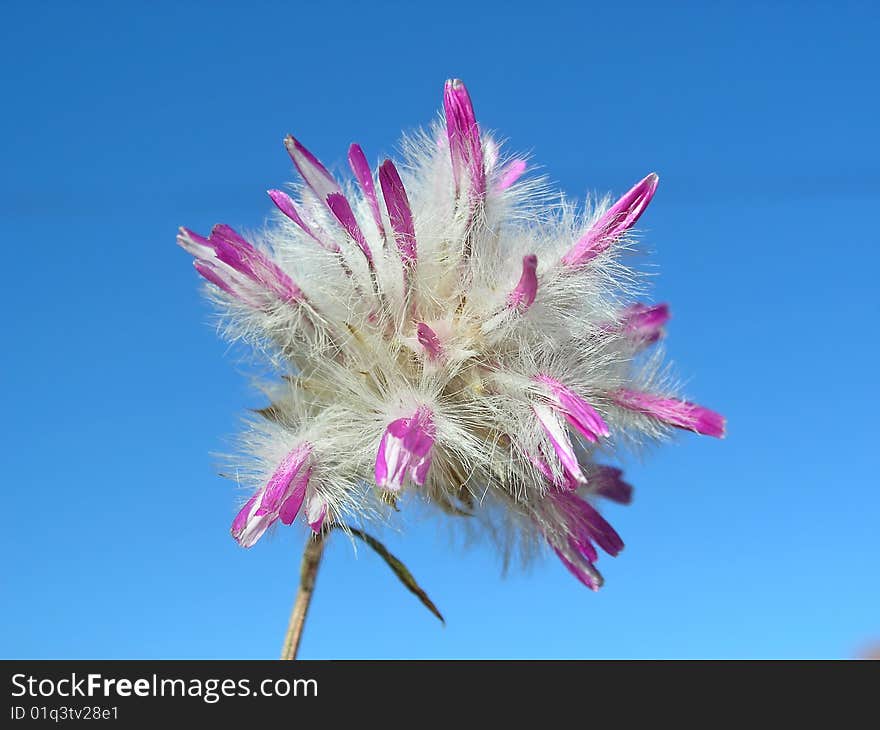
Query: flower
[(405, 448), (281, 498), (440, 327), (584, 529), (644, 323)]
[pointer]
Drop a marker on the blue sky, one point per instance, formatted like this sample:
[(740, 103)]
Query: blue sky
[(122, 121)]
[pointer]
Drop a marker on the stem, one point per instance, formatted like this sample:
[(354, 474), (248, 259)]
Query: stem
[(308, 572)]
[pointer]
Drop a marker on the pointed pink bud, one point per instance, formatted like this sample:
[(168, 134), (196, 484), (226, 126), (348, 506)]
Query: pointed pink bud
[(607, 482), (645, 323), (212, 274), (560, 442), (619, 218), (599, 530), (313, 173), (583, 570), (241, 519), (364, 175), (399, 212), (340, 208), (429, 340), (565, 482), (231, 282), (405, 449), (194, 244), (465, 147), (585, 548), (509, 174), (280, 498), (285, 204), (523, 296), (580, 414), (674, 412), (585, 524)]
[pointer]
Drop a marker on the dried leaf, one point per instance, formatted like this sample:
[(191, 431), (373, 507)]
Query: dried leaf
[(270, 413), (399, 569)]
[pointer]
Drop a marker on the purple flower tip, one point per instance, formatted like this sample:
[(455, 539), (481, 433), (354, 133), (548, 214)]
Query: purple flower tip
[(616, 221), (645, 323), (465, 147), (341, 209), (512, 172), (586, 525), (607, 482), (583, 569), (523, 296), (313, 173), (285, 204), (364, 176), (399, 212), (677, 413)]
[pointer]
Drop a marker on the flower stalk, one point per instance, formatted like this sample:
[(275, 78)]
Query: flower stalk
[(308, 574)]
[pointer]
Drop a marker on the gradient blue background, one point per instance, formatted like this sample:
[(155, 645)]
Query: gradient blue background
[(122, 121)]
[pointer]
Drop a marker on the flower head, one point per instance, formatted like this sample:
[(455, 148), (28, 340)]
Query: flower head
[(440, 328)]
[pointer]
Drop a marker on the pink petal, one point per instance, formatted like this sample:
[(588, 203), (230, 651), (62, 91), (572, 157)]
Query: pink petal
[(316, 512), (523, 296), (511, 172), (364, 175), (429, 340), (340, 208), (580, 414), (645, 323), (382, 461), (565, 483), (601, 531), (241, 519), (585, 573), (560, 442), (294, 497), (405, 447), (607, 481), (420, 470), (311, 170), (238, 254), (465, 146), (399, 212), (211, 273), (286, 205), (278, 487), (674, 412), (194, 244), (614, 223)]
